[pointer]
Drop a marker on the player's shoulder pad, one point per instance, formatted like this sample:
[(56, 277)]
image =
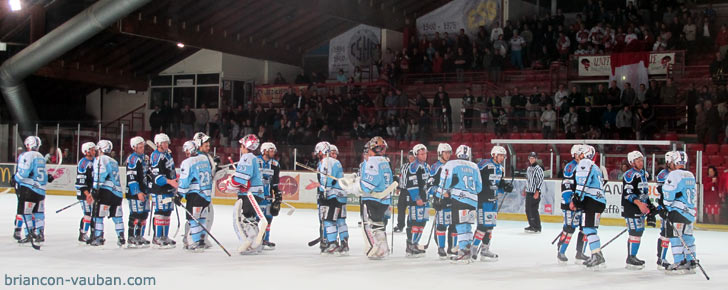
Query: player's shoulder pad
[(155, 157), (131, 161), (585, 164), (83, 164), (435, 166), (570, 167), (630, 175), (663, 174)]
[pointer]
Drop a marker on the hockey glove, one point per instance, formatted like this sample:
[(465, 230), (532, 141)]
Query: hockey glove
[(275, 207), (50, 178), (437, 204), (177, 199), (507, 187), (662, 212), (651, 220)]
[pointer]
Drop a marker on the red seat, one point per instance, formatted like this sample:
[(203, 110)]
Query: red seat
[(715, 160), (456, 137), (468, 137), (695, 147), (489, 136), (514, 136), (671, 136), (404, 145), (479, 137), (724, 149), (712, 149)]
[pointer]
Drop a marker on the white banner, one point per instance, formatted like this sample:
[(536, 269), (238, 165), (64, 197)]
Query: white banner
[(600, 65), (356, 47), (461, 14)]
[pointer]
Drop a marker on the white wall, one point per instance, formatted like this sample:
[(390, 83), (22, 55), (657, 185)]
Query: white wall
[(203, 61), (116, 103), (236, 67), (289, 72), (391, 39), (514, 9)]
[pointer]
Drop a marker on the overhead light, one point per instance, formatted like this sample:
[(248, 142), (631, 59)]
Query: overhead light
[(15, 5), (180, 45)]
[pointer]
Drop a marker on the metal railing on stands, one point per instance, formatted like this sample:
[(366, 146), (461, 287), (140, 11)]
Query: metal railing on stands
[(133, 121), (322, 89)]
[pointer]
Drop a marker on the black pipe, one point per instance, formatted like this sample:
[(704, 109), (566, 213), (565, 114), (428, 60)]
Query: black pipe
[(51, 46)]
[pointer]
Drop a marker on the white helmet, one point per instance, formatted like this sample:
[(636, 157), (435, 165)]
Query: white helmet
[(32, 142), (250, 141), (588, 151), (498, 150), (419, 147), (463, 152), (443, 147), (200, 138), (190, 147), (575, 150), (268, 146), (681, 158), (633, 156), (671, 157), (136, 141), (105, 146), (323, 148), (161, 138), (333, 148), (87, 146)]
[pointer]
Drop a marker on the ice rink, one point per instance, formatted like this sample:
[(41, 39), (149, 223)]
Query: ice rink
[(527, 261)]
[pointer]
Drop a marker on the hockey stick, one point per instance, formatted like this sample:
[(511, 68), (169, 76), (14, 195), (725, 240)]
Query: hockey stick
[(685, 246), (429, 238), (25, 222), (291, 209), (559, 235), (68, 206), (391, 210), (152, 204), (342, 181), (206, 231), (60, 158), (615, 237), (6, 190), (176, 212)]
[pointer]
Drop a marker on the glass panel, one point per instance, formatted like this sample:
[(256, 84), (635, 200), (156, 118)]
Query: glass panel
[(184, 96), (159, 96), (208, 96), (162, 81), (208, 79)]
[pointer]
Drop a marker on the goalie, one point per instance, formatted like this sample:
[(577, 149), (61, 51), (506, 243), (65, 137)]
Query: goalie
[(376, 181)]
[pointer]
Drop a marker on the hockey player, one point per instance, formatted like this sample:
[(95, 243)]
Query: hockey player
[(164, 184), (680, 206), (332, 205), (443, 214), (137, 193), (589, 197), (416, 176), (461, 182), (249, 221), (375, 182), (271, 205), (31, 179), (195, 185), (572, 218), (491, 171), (107, 196), (84, 183), (403, 198), (635, 206), (663, 243), (333, 151), (202, 141)]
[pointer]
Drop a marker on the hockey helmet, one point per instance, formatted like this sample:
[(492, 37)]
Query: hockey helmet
[(498, 150), (32, 142), (190, 147), (136, 141), (250, 142), (463, 152), (161, 138), (86, 147), (633, 156), (105, 146), (443, 147)]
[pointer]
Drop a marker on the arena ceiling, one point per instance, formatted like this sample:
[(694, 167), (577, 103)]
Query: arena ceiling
[(144, 43)]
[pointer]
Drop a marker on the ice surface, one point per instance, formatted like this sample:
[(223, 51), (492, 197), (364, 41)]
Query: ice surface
[(527, 261)]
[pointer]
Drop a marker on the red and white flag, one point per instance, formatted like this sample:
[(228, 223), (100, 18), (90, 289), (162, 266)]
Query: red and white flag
[(630, 67)]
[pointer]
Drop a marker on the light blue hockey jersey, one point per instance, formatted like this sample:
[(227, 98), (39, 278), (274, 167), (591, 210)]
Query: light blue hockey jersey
[(376, 177), (461, 178), (331, 166), (248, 173), (195, 177), (31, 172), (591, 187), (106, 175), (679, 193)]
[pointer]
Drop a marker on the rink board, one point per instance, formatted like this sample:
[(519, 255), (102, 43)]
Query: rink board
[(297, 189)]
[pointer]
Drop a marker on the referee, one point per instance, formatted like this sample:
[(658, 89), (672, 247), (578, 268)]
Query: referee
[(403, 200), (534, 176)]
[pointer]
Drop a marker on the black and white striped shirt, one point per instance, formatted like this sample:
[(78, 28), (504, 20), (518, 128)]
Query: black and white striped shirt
[(534, 176), (402, 175)]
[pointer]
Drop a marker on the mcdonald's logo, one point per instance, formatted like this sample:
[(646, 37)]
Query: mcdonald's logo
[(6, 175)]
